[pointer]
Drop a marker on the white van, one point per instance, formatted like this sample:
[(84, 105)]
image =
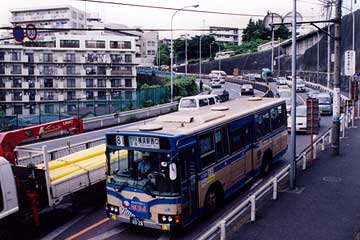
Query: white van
[(198, 101), (217, 74)]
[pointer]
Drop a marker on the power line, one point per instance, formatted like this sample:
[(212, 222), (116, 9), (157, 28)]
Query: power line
[(170, 8), (120, 29)]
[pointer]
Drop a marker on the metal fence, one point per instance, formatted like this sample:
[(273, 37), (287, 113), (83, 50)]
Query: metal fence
[(86, 107), (221, 229)]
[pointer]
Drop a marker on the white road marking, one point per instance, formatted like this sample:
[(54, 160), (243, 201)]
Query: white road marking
[(110, 233)]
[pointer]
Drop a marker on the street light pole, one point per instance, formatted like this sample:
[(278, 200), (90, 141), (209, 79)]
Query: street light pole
[(200, 57), (219, 59), (186, 57), (318, 57), (172, 51)]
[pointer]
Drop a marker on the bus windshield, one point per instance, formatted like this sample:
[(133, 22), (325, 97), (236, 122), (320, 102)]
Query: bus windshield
[(147, 171)]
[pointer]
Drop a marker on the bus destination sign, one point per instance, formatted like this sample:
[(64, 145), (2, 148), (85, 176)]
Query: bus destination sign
[(144, 142)]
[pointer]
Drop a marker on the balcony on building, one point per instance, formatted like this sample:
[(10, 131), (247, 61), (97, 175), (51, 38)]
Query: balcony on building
[(18, 96), (25, 85)]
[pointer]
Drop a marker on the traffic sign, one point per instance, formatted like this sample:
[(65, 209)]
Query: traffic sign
[(18, 33), (349, 64), (31, 31)]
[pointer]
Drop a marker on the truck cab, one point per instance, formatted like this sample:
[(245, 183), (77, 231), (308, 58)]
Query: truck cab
[(8, 194)]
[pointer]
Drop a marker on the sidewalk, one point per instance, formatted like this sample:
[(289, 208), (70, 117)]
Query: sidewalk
[(327, 208)]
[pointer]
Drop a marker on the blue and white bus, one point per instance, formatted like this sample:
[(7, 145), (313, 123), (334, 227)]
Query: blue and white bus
[(167, 172)]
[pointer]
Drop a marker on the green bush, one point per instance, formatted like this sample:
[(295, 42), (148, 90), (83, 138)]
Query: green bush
[(148, 103)]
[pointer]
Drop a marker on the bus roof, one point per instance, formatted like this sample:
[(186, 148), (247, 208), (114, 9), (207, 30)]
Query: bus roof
[(180, 123)]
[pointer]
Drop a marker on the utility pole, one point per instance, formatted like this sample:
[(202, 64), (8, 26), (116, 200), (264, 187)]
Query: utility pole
[(335, 141), (292, 172), (329, 49), (278, 58)]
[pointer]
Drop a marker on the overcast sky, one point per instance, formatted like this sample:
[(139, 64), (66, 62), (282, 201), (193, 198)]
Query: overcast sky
[(155, 18)]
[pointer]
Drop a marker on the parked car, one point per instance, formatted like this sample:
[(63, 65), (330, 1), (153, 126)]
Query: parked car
[(301, 119), (198, 101), (222, 94), (325, 103), (281, 81), (217, 73), (313, 94), (215, 83), (247, 89)]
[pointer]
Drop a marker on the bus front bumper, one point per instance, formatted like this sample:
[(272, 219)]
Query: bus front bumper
[(145, 222)]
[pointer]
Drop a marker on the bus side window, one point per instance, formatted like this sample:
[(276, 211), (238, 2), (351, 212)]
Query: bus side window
[(1, 199), (221, 143), (275, 118), (266, 122), (206, 150), (259, 126), (283, 115), (240, 137)]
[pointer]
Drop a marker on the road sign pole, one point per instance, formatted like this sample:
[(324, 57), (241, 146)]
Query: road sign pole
[(335, 143)]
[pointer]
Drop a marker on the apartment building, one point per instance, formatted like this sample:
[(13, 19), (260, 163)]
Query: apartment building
[(60, 16), (60, 71), (226, 34)]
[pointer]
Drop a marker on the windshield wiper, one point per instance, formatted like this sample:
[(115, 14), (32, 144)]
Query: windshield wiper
[(122, 187)]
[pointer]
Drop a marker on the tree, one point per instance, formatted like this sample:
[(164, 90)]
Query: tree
[(164, 55), (256, 30)]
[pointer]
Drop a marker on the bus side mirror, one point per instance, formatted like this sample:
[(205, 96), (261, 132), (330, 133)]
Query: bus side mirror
[(172, 171)]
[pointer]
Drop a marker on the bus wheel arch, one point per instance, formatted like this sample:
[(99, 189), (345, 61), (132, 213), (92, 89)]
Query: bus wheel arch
[(266, 162), (214, 198)]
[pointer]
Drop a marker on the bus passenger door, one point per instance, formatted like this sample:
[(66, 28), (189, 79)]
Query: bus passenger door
[(188, 184)]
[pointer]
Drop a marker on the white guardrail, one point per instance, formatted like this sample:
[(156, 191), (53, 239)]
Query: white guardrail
[(220, 229)]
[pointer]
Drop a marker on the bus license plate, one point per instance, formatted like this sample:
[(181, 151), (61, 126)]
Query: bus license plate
[(136, 221)]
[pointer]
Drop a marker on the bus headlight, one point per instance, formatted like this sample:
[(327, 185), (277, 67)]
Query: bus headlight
[(112, 209), (169, 218)]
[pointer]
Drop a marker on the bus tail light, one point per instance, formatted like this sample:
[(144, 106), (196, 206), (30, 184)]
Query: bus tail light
[(177, 218)]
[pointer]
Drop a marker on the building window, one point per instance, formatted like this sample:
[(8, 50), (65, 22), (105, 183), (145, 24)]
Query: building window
[(49, 108), (2, 69), (17, 95), (101, 94), (151, 52), (18, 109), (70, 57), (101, 83), (89, 83), (71, 95), (48, 57), (128, 58), (48, 95), (101, 70), (2, 56), (30, 57), (120, 44), (94, 44), (116, 58), (151, 43), (69, 43), (2, 95), (16, 83), (128, 82), (16, 56), (71, 107), (89, 94), (16, 69), (116, 95), (115, 83), (127, 70), (48, 83), (70, 70), (90, 70), (2, 83), (70, 82)]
